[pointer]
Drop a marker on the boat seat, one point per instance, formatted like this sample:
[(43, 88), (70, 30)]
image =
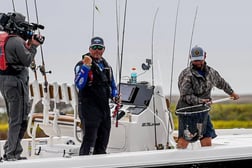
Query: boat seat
[(62, 119), (50, 120)]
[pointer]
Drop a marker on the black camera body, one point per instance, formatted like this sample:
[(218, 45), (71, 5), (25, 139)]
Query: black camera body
[(23, 29)]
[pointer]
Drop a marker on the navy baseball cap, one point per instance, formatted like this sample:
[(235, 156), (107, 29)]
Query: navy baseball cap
[(97, 41), (197, 53)]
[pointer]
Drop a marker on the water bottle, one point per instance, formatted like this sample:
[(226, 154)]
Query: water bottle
[(133, 76)]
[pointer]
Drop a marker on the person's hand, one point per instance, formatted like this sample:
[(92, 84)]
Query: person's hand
[(36, 40), (117, 99), (206, 101), (234, 96), (33, 41), (87, 60)]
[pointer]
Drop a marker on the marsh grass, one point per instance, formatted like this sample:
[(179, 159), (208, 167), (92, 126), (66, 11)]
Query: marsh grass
[(224, 116)]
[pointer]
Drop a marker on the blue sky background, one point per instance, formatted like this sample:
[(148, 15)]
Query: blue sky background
[(222, 28)]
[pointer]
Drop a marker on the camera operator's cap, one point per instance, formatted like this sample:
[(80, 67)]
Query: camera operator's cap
[(197, 53), (97, 41), (18, 17)]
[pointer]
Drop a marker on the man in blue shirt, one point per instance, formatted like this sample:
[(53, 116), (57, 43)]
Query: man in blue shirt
[(96, 85)]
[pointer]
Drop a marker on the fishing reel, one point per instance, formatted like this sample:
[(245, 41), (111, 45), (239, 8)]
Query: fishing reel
[(42, 70), (147, 67)]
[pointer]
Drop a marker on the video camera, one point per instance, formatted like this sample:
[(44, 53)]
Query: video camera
[(21, 28)]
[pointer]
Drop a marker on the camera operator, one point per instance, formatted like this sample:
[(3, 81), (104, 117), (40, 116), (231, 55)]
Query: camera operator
[(19, 53)]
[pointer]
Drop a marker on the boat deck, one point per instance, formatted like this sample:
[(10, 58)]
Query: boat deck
[(230, 145)]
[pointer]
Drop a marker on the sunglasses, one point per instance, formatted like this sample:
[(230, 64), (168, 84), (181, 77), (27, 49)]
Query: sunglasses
[(97, 47)]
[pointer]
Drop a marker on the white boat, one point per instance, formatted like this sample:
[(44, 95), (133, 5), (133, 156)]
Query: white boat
[(144, 136)]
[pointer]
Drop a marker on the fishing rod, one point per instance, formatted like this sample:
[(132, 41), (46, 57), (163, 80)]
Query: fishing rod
[(13, 6), (173, 50), (118, 39), (152, 71), (173, 54), (190, 46), (33, 65), (46, 101), (116, 111), (93, 18), (42, 67), (27, 11)]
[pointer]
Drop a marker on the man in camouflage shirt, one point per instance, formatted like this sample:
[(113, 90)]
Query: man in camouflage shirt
[(195, 84)]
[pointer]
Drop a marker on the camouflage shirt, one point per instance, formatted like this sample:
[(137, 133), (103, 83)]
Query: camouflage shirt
[(195, 85)]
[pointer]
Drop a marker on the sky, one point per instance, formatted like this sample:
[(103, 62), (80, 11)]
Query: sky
[(221, 27)]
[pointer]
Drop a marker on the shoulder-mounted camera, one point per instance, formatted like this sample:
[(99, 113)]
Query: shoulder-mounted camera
[(14, 23)]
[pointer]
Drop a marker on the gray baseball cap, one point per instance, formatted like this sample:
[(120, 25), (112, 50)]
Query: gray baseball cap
[(197, 53)]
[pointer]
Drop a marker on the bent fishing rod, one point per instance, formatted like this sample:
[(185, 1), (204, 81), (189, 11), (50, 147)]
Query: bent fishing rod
[(173, 48), (152, 76)]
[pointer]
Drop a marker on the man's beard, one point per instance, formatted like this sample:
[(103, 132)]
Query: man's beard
[(198, 67)]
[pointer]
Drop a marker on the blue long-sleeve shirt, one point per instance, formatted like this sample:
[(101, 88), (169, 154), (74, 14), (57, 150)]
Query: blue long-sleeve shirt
[(83, 76)]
